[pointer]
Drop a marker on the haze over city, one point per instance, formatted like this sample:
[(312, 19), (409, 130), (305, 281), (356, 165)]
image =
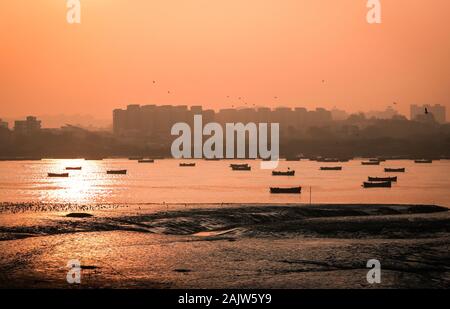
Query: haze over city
[(221, 54)]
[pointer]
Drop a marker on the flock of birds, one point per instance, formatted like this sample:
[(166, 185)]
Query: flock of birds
[(7, 207)]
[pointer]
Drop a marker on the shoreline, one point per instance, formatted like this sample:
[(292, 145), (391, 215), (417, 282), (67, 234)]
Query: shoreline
[(21, 207)]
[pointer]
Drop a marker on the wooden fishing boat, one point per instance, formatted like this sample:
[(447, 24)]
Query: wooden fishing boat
[(331, 168), (146, 161), (329, 160), (281, 173), (93, 158), (73, 168), (187, 164), (238, 167), (423, 161), (395, 170), (116, 172), (294, 190), (58, 174), (382, 179), (370, 163), (380, 184)]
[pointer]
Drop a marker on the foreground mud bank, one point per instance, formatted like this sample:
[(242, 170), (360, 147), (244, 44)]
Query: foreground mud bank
[(234, 246)]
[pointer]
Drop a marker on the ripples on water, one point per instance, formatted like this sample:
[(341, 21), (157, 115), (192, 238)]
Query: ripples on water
[(214, 182)]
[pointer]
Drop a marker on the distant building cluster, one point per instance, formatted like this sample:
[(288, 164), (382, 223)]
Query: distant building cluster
[(156, 121), (28, 126), (438, 112), (389, 113)]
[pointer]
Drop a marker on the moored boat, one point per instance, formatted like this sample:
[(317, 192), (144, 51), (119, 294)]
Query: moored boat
[(423, 161), (293, 190), (237, 167), (378, 184), (370, 163), (281, 173), (187, 164), (393, 179), (93, 158), (116, 172), (73, 168), (331, 168), (395, 170), (58, 174), (146, 161), (329, 160)]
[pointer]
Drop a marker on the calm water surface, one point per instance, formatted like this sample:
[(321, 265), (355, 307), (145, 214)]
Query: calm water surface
[(214, 182)]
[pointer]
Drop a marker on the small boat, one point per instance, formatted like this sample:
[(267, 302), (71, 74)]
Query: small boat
[(294, 190), (58, 175), (93, 159), (394, 170), (280, 173), (331, 168), (238, 167), (187, 164), (146, 161), (380, 184), (73, 168), (423, 161), (370, 163), (383, 179), (117, 172), (330, 160)]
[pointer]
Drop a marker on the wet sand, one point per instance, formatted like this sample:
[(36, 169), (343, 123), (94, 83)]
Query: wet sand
[(226, 246)]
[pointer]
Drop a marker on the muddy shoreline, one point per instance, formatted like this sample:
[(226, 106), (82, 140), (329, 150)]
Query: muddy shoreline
[(229, 246)]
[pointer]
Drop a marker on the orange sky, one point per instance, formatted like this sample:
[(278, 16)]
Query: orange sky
[(205, 50)]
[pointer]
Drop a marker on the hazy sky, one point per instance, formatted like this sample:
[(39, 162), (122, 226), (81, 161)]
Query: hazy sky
[(205, 50)]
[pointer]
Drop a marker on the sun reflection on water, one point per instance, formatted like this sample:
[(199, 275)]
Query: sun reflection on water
[(82, 186)]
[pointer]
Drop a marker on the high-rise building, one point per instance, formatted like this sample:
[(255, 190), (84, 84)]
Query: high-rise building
[(438, 111), (155, 122), (29, 126)]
